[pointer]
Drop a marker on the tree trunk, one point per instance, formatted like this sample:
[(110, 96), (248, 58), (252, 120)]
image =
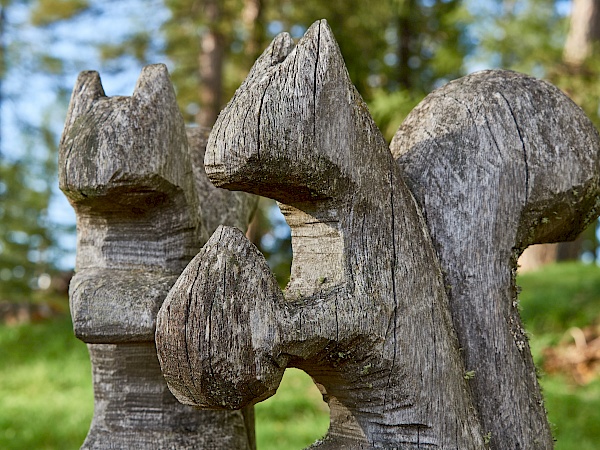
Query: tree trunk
[(584, 32), (405, 29), (252, 18), (210, 65)]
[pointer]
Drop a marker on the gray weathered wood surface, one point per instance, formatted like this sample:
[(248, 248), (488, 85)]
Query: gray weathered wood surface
[(499, 161), (496, 161), (125, 166), (366, 313)]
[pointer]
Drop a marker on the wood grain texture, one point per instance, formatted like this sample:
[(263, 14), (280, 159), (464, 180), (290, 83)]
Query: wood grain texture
[(366, 311), (499, 161), (144, 414), (125, 166)]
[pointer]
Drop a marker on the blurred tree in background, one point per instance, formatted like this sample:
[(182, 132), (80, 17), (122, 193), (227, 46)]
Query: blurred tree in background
[(43, 44), (28, 244), (397, 51)]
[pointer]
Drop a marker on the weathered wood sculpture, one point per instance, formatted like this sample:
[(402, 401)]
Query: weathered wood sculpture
[(365, 312), (499, 161), (124, 166), (496, 161)]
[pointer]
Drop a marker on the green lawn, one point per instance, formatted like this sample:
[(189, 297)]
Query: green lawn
[(46, 398), (553, 300)]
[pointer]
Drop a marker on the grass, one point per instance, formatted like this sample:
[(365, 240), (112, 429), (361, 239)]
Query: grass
[(553, 300), (560, 296), (46, 395), (294, 418), (46, 401)]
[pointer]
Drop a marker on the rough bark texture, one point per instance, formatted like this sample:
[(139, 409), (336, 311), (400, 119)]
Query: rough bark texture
[(499, 161), (144, 414), (366, 313), (124, 165)]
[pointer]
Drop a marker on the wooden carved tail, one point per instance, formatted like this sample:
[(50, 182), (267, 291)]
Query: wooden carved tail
[(499, 161)]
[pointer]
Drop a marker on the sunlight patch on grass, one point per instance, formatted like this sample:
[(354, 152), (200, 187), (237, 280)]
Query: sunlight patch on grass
[(294, 417)]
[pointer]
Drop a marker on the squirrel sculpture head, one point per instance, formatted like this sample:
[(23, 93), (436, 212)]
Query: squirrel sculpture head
[(284, 124)]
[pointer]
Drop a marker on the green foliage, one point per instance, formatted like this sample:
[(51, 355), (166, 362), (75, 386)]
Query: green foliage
[(581, 84), (28, 242), (574, 412), (396, 51), (46, 12), (136, 45), (271, 234), (552, 300), (432, 34), (182, 32), (526, 36), (529, 36), (390, 108), (25, 240)]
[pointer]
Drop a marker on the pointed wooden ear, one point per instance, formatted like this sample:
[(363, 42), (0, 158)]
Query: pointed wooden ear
[(154, 86), (294, 124), (87, 90), (128, 157), (92, 156), (275, 53)]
